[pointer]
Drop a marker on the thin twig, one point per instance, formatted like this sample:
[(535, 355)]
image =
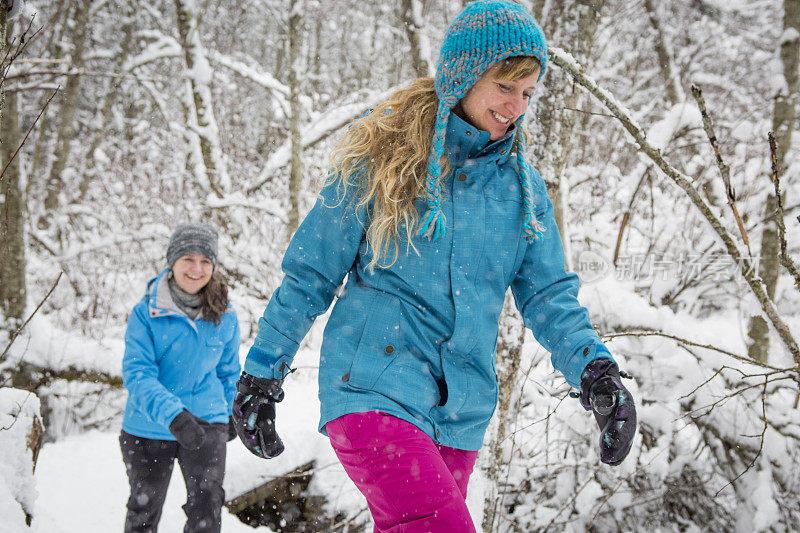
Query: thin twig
[(737, 392), (349, 520), (21, 45), (78, 73), (588, 112), (574, 497), (523, 428), (627, 216), (14, 335), (654, 333), (761, 443), (724, 170), (15, 416), (621, 481), (10, 159)]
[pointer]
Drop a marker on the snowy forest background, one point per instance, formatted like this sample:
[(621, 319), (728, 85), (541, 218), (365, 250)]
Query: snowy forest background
[(121, 118)]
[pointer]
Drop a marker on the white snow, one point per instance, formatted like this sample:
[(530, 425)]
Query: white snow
[(679, 116), (18, 491)]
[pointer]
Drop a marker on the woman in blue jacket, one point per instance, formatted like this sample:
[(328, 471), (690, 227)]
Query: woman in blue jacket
[(431, 213), (180, 368)]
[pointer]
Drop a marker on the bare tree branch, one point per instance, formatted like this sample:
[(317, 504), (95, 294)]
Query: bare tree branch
[(41, 112), (14, 335), (569, 65), (724, 170)]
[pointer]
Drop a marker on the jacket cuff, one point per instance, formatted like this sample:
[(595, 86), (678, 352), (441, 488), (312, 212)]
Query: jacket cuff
[(582, 357), (261, 364), (170, 415)]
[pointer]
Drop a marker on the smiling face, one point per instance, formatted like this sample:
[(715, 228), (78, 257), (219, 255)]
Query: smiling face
[(497, 100), (192, 272)]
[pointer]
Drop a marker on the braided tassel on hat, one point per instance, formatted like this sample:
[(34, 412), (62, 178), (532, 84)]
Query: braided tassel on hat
[(432, 224), (531, 227)]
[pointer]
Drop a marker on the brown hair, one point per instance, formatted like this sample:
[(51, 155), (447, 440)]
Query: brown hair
[(384, 154), (214, 298)]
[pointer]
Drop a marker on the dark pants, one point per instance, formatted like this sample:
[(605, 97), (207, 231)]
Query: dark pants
[(149, 462)]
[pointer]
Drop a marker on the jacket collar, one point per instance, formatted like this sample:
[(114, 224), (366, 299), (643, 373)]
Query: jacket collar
[(160, 302), (159, 299), (464, 141)]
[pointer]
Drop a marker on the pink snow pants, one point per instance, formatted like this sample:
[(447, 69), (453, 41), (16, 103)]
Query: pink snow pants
[(412, 484)]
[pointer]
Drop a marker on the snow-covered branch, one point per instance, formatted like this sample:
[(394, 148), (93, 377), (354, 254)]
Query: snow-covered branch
[(567, 63), (167, 47), (237, 199), (163, 47), (317, 130), (279, 91), (201, 118)]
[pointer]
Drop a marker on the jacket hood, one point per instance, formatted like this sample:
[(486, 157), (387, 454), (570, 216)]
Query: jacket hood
[(159, 299)]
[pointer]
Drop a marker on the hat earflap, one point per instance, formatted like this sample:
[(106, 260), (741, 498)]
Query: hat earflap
[(433, 223), (532, 228)]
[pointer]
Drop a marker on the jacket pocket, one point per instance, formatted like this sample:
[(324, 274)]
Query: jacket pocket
[(453, 388), (214, 349), (379, 344), (214, 345)]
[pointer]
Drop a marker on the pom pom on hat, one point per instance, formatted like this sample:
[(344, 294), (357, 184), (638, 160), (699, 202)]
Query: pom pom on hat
[(483, 34)]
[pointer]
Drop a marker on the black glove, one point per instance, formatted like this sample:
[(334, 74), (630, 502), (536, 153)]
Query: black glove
[(188, 430), (231, 429), (603, 393), (254, 414)]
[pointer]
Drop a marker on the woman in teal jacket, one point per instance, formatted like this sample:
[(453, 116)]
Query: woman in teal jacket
[(180, 367), (428, 246)]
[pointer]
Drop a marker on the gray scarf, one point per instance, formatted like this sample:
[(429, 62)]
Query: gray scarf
[(190, 304)]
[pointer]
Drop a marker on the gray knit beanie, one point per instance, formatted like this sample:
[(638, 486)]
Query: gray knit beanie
[(192, 238)]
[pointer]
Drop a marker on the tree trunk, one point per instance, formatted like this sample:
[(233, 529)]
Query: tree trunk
[(783, 117), (104, 117), (12, 216), (411, 17), (511, 334), (570, 24), (573, 22), (671, 83), (296, 169), (66, 127), (40, 156), (202, 131)]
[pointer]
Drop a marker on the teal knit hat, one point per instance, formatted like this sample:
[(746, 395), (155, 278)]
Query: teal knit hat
[(483, 34)]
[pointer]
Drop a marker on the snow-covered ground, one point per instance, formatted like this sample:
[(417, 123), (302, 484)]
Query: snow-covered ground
[(83, 488)]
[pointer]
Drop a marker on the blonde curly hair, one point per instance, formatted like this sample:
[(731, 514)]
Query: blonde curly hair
[(385, 155)]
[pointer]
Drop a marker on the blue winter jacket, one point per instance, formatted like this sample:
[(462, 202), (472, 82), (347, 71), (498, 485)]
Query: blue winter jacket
[(417, 339), (173, 363)]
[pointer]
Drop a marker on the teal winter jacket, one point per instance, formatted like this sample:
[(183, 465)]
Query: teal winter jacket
[(417, 339), (172, 363)]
